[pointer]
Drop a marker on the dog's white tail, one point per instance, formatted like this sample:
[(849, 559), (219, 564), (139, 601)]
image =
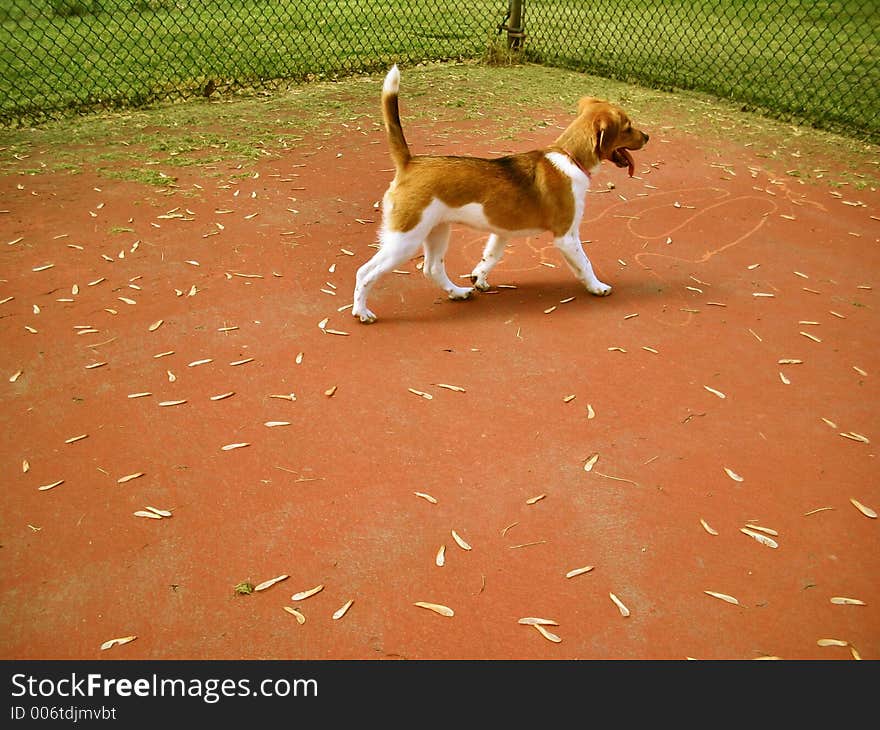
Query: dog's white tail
[(391, 114)]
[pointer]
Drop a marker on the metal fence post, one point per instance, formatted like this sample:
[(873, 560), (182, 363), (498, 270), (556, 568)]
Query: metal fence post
[(515, 28)]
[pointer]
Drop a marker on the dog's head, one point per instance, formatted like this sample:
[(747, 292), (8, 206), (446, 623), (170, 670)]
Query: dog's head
[(613, 135), (602, 131)]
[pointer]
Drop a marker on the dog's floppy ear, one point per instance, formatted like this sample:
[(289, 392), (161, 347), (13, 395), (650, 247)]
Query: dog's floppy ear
[(606, 128)]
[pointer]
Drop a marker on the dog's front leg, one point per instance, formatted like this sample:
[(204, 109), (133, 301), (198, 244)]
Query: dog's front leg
[(573, 252), (492, 254)]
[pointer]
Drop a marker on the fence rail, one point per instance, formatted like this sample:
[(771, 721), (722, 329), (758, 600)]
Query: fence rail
[(811, 61)]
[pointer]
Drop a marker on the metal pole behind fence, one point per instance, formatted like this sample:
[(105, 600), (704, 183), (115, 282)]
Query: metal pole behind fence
[(515, 30)]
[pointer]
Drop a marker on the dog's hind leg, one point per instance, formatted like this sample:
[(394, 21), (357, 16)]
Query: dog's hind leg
[(395, 249), (492, 254), (436, 244), (573, 252)]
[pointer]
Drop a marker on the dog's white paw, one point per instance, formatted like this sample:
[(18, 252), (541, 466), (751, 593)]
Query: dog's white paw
[(479, 281), (599, 289), (461, 292), (364, 315)]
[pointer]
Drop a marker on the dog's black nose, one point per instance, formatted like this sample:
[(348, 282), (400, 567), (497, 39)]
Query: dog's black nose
[(646, 136)]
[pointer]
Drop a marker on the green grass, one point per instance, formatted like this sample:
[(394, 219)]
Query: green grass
[(806, 60), (152, 146)]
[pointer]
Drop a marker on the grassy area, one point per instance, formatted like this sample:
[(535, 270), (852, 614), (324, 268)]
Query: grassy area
[(153, 145), (808, 60)]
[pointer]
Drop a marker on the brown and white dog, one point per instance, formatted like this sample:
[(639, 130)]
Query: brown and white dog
[(518, 195)]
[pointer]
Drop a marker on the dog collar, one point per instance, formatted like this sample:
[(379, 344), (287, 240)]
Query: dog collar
[(577, 164)]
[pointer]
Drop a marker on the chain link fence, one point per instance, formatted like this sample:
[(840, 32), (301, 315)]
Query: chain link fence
[(813, 61)]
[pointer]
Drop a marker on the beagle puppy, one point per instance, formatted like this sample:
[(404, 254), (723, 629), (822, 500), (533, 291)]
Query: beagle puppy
[(523, 194)]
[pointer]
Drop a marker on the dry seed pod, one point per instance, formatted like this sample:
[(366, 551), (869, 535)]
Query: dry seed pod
[(843, 601), (722, 596), (456, 388), (300, 619), (707, 528), (591, 462), (535, 621), (533, 500), (426, 497), (302, 595), (436, 608), (763, 539), (160, 512), (765, 530), (230, 447), (549, 635), (269, 583), (578, 571), (47, 487), (117, 642), (147, 514), (129, 477), (440, 558), (715, 392), (733, 475), (832, 642), (624, 611), (342, 610), (867, 511), (460, 541)]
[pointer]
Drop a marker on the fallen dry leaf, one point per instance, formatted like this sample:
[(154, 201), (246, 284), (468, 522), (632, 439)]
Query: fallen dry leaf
[(300, 619), (722, 596), (302, 595), (733, 475), (436, 608), (460, 541), (269, 583), (129, 477), (549, 635), (578, 571), (117, 642), (707, 528), (761, 538), (867, 511), (624, 611)]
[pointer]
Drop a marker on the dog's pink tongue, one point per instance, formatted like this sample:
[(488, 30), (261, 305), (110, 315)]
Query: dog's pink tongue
[(630, 161)]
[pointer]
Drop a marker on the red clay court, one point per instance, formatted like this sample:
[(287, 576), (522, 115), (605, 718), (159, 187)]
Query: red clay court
[(685, 469)]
